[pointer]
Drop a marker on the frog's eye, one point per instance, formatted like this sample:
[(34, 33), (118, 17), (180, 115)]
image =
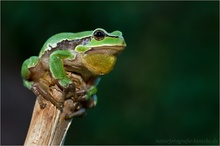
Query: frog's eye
[(99, 35)]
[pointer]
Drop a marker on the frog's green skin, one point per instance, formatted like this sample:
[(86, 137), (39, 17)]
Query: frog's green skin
[(88, 54)]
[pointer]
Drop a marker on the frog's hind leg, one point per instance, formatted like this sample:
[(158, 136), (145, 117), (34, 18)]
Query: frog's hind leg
[(40, 91), (25, 70)]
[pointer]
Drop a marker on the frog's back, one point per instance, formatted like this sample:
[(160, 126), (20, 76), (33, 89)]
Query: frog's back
[(55, 39)]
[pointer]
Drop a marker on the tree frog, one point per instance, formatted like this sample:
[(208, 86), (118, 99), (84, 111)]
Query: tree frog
[(72, 61)]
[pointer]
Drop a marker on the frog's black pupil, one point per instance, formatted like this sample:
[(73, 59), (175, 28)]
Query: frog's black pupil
[(99, 35)]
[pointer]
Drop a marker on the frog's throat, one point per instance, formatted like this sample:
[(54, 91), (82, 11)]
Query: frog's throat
[(99, 64)]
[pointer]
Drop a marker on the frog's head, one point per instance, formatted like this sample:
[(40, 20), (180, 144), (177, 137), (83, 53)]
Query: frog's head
[(99, 54)]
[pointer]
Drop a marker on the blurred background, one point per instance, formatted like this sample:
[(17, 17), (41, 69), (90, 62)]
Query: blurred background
[(164, 85)]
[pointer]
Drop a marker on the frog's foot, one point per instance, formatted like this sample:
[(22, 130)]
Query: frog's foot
[(80, 112), (41, 91), (84, 95), (91, 102), (85, 99)]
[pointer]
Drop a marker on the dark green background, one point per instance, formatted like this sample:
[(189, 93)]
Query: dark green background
[(164, 85)]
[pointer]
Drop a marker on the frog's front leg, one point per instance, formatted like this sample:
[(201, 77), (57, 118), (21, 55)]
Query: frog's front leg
[(58, 72)]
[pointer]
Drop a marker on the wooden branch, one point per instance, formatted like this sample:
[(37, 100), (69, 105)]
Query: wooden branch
[(48, 126)]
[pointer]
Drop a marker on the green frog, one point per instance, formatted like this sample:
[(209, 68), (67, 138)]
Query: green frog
[(74, 63)]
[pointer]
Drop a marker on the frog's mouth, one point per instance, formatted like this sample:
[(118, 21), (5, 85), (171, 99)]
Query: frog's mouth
[(110, 50), (101, 61)]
